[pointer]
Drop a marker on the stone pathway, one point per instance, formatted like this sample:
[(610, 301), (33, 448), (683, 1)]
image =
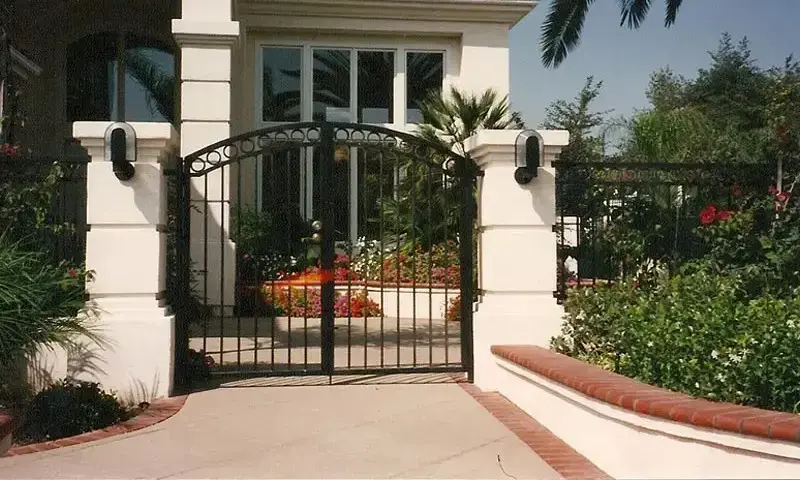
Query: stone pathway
[(334, 432)]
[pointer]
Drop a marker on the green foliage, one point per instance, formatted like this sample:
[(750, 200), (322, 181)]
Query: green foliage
[(562, 28), (725, 325), (425, 207), (696, 333), (27, 189), (732, 111), (270, 241), (68, 408), (759, 243), (40, 302), (577, 118), (449, 120)]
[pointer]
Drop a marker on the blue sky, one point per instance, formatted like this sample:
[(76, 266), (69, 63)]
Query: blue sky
[(624, 58)]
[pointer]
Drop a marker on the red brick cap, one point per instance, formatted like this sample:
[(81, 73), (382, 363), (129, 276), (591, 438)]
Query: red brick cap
[(638, 397), (158, 411)]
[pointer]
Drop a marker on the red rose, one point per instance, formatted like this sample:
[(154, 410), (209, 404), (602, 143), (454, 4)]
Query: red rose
[(724, 215), (708, 214)]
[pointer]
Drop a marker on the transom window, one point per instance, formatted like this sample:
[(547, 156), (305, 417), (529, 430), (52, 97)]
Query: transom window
[(347, 84), (335, 84)]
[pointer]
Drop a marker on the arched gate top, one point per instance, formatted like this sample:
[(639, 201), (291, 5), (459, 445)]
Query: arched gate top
[(311, 134)]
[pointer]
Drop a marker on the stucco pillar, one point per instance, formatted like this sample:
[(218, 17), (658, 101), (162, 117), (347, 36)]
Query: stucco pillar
[(207, 36), (484, 59), (126, 248), (517, 249)]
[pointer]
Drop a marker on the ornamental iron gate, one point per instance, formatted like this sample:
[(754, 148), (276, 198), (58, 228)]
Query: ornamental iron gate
[(324, 248)]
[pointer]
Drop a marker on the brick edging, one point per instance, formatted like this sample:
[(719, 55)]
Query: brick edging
[(561, 457), (646, 399), (157, 412)]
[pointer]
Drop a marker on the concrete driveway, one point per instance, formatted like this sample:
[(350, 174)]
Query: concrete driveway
[(333, 432)]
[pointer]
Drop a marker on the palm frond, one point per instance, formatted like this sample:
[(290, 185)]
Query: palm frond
[(561, 30), (159, 86), (672, 12), (633, 12)]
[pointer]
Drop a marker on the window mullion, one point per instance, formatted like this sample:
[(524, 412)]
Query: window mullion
[(120, 94)]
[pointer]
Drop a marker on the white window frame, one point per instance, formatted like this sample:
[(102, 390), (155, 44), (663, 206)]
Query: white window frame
[(398, 46)]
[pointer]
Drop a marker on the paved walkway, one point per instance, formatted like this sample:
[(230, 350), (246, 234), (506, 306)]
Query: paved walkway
[(333, 432)]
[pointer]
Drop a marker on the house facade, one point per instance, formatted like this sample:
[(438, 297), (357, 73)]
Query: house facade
[(276, 57), (200, 76)]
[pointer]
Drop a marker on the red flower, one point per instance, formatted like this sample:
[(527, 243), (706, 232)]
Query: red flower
[(73, 273), (708, 214), (736, 191), (773, 190), (724, 215), (783, 197)]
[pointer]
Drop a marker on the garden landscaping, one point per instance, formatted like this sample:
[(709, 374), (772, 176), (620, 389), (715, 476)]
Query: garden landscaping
[(366, 278)]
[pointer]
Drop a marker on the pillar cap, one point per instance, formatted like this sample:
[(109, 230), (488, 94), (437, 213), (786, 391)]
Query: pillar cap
[(486, 142), (150, 136)]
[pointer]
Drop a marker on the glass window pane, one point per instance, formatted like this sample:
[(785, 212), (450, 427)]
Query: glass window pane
[(424, 74), (281, 84), (332, 85), (149, 82), (90, 75), (92, 88), (375, 87)]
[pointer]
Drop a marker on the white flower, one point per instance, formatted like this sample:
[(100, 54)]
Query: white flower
[(714, 354), (720, 377), (696, 385)]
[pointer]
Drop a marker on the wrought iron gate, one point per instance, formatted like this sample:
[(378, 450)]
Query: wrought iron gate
[(324, 248)]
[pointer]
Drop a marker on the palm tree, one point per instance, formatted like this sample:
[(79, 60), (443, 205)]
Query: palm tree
[(561, 30), (450, 120), (427, 204)]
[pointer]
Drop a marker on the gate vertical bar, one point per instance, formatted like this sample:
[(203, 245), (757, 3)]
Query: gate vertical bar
[(181, 377), (466, 176), (326, 156)]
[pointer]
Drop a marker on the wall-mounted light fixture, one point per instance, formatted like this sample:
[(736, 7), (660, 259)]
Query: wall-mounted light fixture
[(528, 156), (120, 143)]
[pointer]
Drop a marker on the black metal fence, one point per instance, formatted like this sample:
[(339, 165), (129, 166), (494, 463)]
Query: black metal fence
[(43, 203), (618, 219)]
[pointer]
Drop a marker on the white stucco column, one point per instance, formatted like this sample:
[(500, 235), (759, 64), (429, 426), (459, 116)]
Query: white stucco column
[(517, 249), (126, 248), (207, 36), (485, 61)]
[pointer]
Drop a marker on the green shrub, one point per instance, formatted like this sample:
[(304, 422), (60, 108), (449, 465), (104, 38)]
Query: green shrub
[(68, 408), (40, 302), (697, 333)]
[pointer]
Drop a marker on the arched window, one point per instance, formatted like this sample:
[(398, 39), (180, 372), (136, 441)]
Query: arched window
[(121, 77)]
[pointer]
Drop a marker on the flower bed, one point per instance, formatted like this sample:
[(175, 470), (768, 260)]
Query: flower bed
[(293, 301), (421, 285)]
